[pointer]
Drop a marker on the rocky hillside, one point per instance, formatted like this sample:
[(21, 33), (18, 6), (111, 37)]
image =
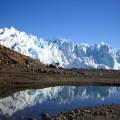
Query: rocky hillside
[(10, 59)]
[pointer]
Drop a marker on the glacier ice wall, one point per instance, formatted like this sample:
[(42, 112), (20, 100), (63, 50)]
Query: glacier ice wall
[(66, 52)]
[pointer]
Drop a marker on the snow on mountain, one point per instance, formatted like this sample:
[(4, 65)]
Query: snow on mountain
[(60, 95), (66, 52)]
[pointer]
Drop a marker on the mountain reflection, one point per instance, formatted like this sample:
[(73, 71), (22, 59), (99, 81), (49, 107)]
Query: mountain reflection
[(62, 97)]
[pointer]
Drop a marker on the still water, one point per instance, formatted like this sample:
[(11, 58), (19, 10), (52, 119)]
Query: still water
[(33, 102)]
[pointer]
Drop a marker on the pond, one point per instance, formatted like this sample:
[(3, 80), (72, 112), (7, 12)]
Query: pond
[(33, 102)]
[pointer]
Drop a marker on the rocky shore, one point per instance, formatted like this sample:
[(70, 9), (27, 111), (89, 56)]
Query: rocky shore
[(105, 112)]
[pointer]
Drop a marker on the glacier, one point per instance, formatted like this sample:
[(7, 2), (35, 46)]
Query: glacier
[(64, 51)]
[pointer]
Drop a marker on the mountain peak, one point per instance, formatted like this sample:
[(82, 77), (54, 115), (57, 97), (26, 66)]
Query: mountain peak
[(62, 50)]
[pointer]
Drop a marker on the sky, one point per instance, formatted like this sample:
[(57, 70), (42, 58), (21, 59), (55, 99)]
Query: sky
[(88, 21)]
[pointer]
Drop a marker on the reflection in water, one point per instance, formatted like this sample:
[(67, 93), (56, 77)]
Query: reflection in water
[(56, 99)]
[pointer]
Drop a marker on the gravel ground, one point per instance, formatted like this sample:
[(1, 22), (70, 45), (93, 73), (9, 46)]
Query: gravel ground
[(108, 112)]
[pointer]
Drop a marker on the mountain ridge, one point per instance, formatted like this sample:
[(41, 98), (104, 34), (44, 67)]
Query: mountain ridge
[(66, 52)]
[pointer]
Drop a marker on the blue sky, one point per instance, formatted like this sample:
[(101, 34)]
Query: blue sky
[(89, 21)]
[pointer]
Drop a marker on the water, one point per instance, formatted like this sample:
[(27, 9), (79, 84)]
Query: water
[(33, 102)]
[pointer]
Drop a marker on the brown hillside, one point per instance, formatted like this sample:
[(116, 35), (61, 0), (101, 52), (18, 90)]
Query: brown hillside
[(12, 59)]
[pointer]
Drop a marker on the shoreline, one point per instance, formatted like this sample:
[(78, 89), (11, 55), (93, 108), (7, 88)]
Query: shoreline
[(102, 112), (71, 77)]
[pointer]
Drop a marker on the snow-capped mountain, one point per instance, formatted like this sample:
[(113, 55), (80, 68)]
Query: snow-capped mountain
[(66, 52)]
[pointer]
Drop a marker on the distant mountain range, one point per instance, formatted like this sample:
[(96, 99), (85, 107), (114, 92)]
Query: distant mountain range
[(61, 50)]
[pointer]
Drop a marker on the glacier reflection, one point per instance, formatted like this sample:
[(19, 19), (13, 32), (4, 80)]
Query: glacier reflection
[(57, 99)]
